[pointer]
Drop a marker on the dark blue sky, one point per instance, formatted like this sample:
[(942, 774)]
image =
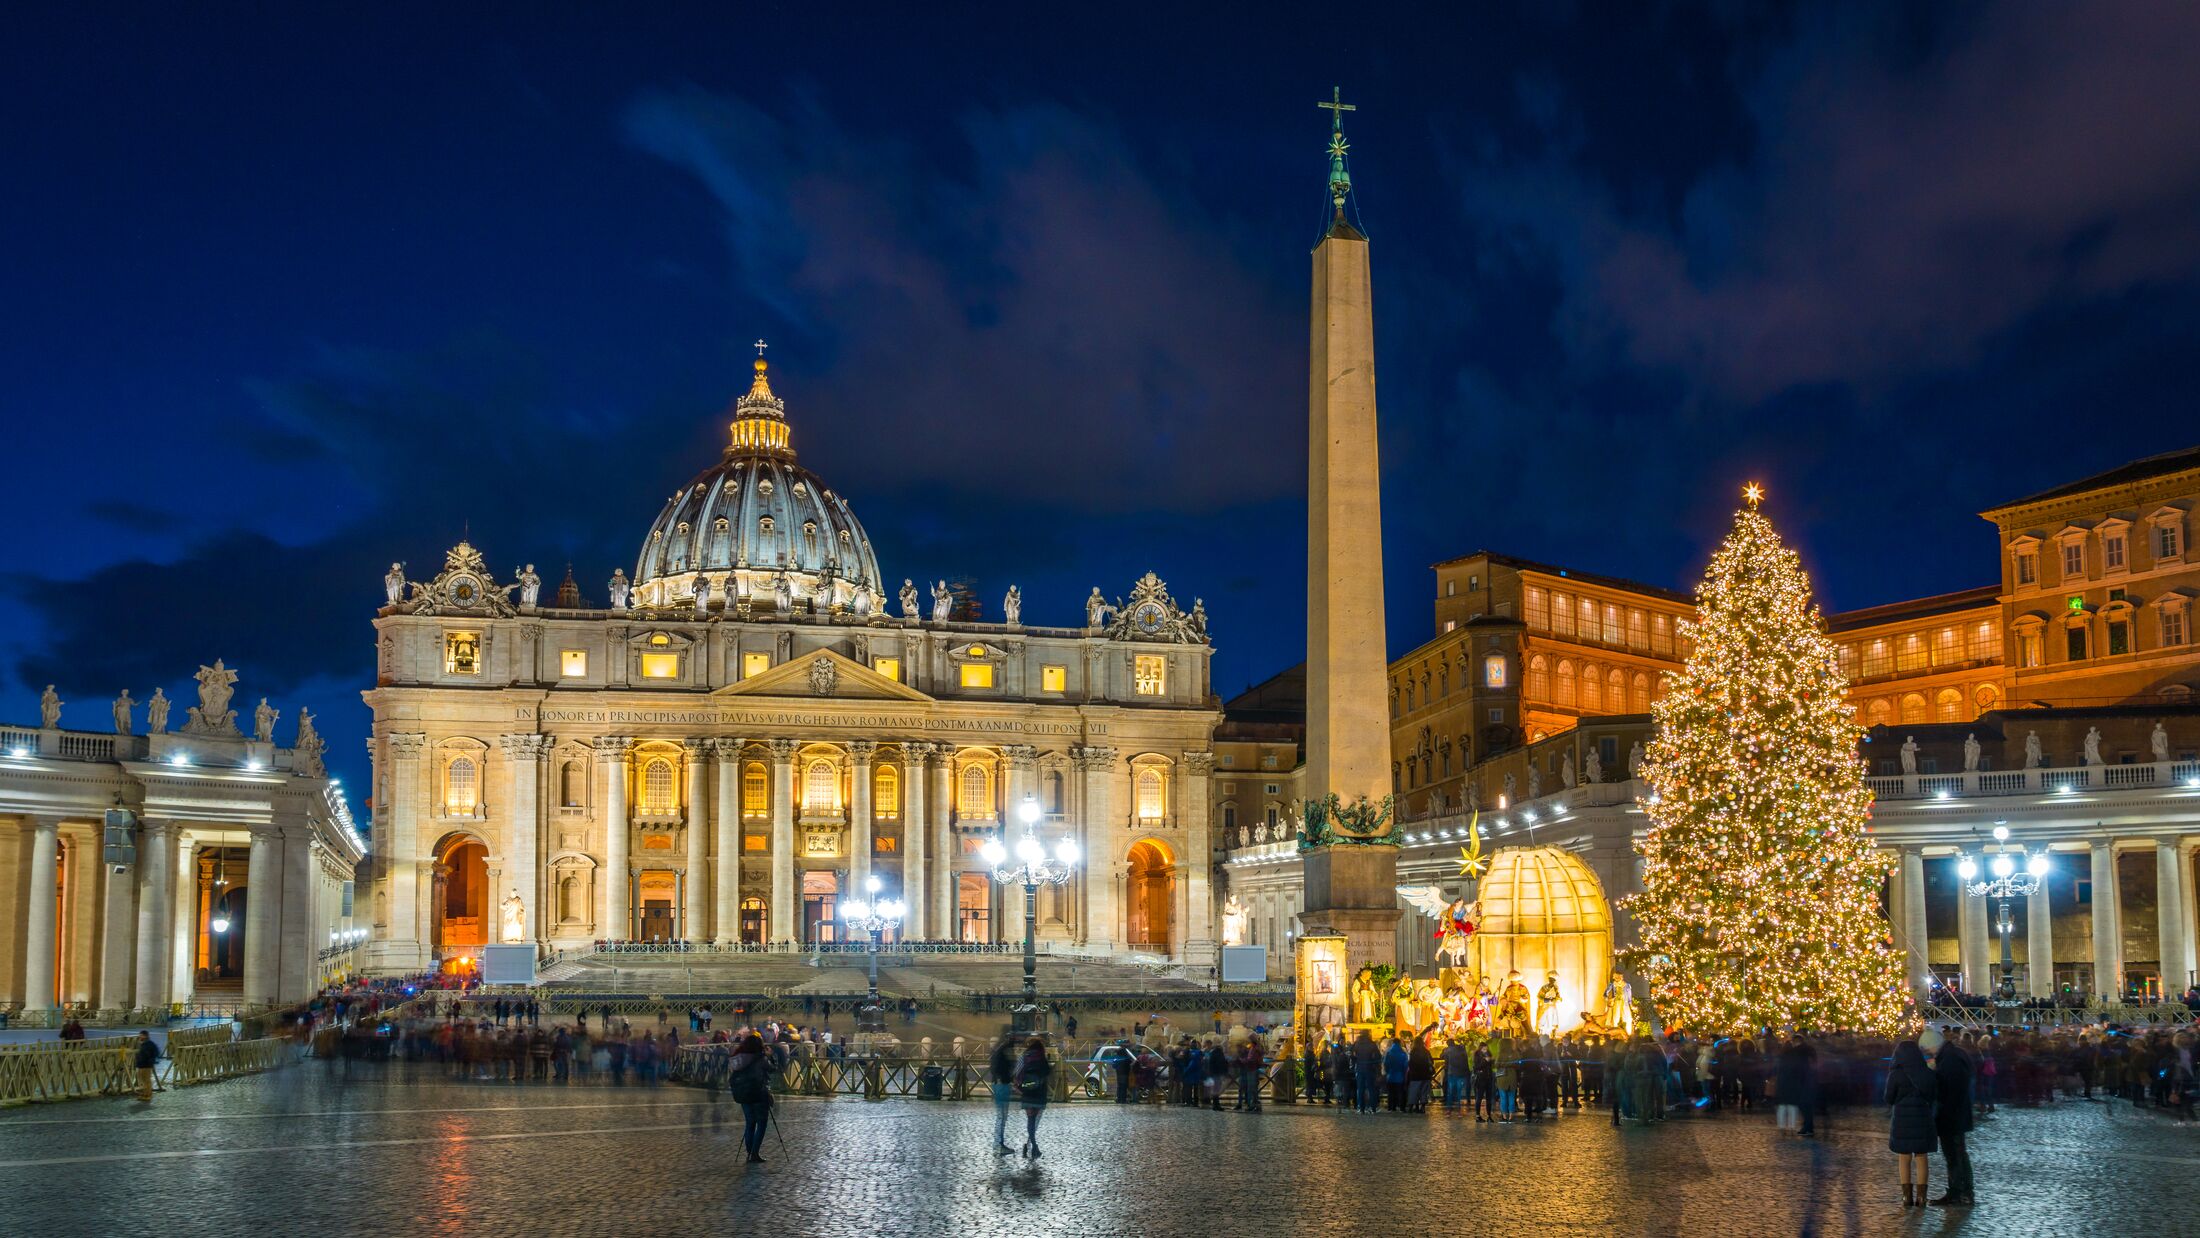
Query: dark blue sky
[(293, 291)]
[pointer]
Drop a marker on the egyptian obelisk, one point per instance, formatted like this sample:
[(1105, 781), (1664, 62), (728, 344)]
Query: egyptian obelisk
[(1351, 881)]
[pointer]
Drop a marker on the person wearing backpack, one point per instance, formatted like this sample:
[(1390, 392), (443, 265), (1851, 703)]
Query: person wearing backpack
[(748, 1081), (1030, 1077)]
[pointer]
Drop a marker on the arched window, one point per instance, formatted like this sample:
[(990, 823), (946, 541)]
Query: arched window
[(1592, 691), (820, 787), (756, 796), (1539, 679), (1638, 695), (1054, 791), (1879, 713), (461, 788), (659, 798), (572, 785), (1615, 691), (1443, 682), (1948, 705), (1151, 794), (977, 793), (1564, 697), (1913, 708), (886, 793)]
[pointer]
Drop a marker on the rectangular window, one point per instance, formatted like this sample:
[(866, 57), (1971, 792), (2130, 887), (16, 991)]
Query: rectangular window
[(660, 666), (462, 653), (756, 841), (889, 667), (1562, 615), (1638, 630), (2028, 649), (1151, 673), (977, 674), (2173, 627), (1474, 584), (1497, 714), (2074, 644), (1053, 679), (1539, 610), (1611, 625), (2165, 541), (1588, 619), (1986, 641), (2112, 553), (1912, 654), (1661, 635), (1451, 588), (2073, 560), (1878, 659), (573, 663), (2028, 568), (2119, 638), (754, 664)]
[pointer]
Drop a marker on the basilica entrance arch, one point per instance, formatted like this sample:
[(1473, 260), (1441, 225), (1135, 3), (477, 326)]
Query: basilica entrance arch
[(462, 903), (1150, 896)]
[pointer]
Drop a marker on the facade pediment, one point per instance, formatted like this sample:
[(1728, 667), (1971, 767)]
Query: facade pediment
[(824, 674)]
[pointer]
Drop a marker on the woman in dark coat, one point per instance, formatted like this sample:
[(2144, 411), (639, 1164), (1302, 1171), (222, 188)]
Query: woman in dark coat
[(1030, 1078), (1911, 1088)]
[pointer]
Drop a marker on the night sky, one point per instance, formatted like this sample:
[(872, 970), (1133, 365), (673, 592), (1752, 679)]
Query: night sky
[(292, 294)]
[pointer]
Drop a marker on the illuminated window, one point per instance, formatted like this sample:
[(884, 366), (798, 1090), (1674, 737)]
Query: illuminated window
[(1562, 614), (1053, 679), (977, 675), (659, 640), (1912, 655), (1986, 642), (1539, 679), (1946, 648), (573, 663), (1611, 625), (886, 793), (1538, 609), (1564, 697), (1879, 713), (1948, 706), (1661, 634), (1913, 708), (1592, 691), (1638, 696), (754, 664), (1150, 673), (889, 667), (1151, 794), (660, 666), (1615, 691), (975, 651), (976, 801), (1878, 659), (1638, 630), (1588, 619), (2028, 649), (461, 788), (659, 797), (756, 800), (462, 653), (821, 787)]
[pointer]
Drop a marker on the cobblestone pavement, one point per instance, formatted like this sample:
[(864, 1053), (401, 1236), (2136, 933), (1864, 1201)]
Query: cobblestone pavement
[(412, 1151)]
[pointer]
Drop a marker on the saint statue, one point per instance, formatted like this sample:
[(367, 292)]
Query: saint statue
[(1512, 1018), (783, 594), (1012, 606), (393, 583), (156, 713), (1509, 785), (2159, 742), (49, 708), (1634, 760), (1619, 1005), (306, 750), (2032, 755), (216, 684), (123, 706), (942, 602), (2093, 746), (620, 590), (530, 586), (1363, 995), (1970, 753), (1909, 754), (1198, 620), (702, 597), (263, 722), (908, 598), (515, 918), (1096, 609), (1566, 771), (1547, 1001), (1535, 782), (1595, 767), (862, 601), (1233, 921)]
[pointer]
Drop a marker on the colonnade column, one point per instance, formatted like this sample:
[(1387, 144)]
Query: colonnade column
[(1096, 840), (1022, 761), (2108, 944), (523, 841), (183, 897), (948, 924), (263, 904), (618, 883), (2169, 899), (118, 954), (43, 909), (155, 925), (916, 890), (400, 852), (783, 917), (298, 956), (1199, 927), (860, 752), (695, 889), (1917, 940), (2039, 942), (2187, 910), (1974, 935), (727, 873)]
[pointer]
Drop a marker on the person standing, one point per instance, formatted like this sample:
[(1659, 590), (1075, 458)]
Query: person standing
[(1002, 1068), (1249, 1062), (1420, 1076), (747, 1077), (1030, 1076), (1953, 1071), (1396, 1063), (1485, 1083), (1913, 1091), (1458, 1073), (1367, 1069), (144, 1058)]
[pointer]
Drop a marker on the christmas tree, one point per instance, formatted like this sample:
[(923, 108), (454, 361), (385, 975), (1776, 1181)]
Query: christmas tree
[(1760, 900)]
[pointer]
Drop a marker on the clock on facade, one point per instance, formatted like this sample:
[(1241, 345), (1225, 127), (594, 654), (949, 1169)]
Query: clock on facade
[(465, 590), (1148, 617)]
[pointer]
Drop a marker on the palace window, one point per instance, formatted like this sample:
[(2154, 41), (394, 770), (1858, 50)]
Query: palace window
[(461, 788), (1493, 671), (1539, 610), (976, 800), (1055, 799), (2028, 649), (660, 666), (1986, 642), (573, 785), (1611, 624), (977, 674), (1661, 635), (2119, 637), (1913, 709), (2173, 626), (1562, 615), (1911, 656), (2112, 552), (1564, 697), (1638, 698), (1053, 679), (2167, 543), (659, 798), (1948, 706), (2073, 560), (1539, 679), (1638, 630), (1150, 674), (2028, 567), (2074, 645), (1846, 656), (1879, 713), (1588, 619), (1947, 647), (756, 797), (1151, 795), (888, 667), (573, 663), (1592, 691), (462, 653), (754, 664), (820, 787), (886, 793), (1229, 816), (1615, 691)]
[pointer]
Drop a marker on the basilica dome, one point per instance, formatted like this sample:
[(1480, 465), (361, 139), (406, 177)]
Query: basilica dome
[(755, 519)]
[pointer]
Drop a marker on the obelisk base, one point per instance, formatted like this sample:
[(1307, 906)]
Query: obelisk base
[(1352, 891)]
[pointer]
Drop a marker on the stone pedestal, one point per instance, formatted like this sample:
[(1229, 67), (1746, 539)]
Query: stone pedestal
[(1352, 891)]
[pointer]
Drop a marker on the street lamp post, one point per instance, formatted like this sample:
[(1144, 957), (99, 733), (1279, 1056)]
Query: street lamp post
[(873, 916), (1033, 867), (2007, 881)]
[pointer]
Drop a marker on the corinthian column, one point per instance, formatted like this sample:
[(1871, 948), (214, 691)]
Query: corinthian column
[(523, 835), (916, 890), (859, 816), (43, 910), (696, 899), (2039, 943), (2169, 897), (1199, 928), (1915, 938), (728, 870), (118, 958), (263, 918), (1103, 850), (2108, 944), (398, 848), (1022, 761), (783, 893), (156, 921), (618, 919)]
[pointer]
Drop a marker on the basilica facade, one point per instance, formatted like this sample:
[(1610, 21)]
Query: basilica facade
[(759, 723)]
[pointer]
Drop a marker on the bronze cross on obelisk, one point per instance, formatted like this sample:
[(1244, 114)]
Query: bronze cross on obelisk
[(1337, 108)]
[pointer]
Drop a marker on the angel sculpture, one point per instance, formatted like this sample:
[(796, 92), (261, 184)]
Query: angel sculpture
[(1455, 919)]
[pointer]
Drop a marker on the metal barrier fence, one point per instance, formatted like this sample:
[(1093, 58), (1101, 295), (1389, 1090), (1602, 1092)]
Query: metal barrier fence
[(2163, 1014), (949, 1078), (65, 1070), (565, 1001), (206, 1063)]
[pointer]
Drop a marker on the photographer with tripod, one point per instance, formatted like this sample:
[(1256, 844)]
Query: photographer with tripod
[(748, 1079)]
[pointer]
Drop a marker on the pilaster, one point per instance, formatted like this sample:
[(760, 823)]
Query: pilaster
[(727, 869), (523, 755), (860, 752), (783, 901), (696, 895)]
